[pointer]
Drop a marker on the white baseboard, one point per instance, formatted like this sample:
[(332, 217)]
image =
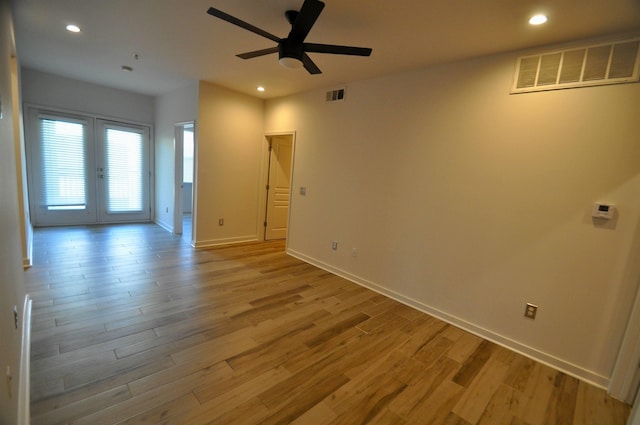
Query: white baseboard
[(165, 226), (225, 241), (537, 355), (24, 387)]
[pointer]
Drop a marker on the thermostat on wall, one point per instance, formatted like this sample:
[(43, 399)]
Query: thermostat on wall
[(601, 210)]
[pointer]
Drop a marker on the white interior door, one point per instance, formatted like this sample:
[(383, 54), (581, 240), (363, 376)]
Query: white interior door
[(279, 187), (123, 172)]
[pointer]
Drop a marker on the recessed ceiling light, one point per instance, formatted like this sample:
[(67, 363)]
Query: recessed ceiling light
[(260, 88), (73, 28), (538, 19)]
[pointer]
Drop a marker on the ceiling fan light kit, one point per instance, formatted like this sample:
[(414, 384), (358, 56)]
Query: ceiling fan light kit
[(292, 50), (288, 62)]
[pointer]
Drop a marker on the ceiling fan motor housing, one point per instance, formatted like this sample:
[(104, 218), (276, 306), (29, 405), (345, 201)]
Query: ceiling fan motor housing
[(291, 16), (288, 49)]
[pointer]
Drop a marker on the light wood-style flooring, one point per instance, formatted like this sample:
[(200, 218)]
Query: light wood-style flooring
[(133, 326)]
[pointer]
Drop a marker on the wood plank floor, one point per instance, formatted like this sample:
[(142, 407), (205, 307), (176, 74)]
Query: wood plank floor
[(133, 326)]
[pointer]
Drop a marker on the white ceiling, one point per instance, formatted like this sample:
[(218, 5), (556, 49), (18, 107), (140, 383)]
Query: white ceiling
[(179, 42)]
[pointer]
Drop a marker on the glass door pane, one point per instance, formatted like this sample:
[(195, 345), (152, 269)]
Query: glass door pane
[(61, 163), (124, 172), (124, 165)]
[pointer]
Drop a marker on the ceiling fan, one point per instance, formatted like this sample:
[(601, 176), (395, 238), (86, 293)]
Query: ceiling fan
[(292, 50)]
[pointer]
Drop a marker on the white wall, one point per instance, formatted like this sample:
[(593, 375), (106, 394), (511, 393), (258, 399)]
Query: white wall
[(12, 292), (468, 202), (180, 105), (26, 229), (64, 93), (229, 134)]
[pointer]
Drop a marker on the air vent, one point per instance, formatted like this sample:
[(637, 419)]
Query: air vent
[(335, 95), (595, 65)]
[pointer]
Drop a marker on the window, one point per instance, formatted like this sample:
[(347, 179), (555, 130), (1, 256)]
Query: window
[(187, 169), (64, 171), (125, 168)]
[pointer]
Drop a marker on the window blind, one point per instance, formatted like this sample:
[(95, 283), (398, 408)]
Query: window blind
[(63, 154), (124, 170)]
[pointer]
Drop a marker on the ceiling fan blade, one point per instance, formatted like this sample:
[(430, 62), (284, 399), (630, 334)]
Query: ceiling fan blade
[(337, 50), (309, 65), (309, 12), (257, 53), (242, 24)]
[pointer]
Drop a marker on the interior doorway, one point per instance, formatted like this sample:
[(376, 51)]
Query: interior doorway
[(184, 179), (278, 186)]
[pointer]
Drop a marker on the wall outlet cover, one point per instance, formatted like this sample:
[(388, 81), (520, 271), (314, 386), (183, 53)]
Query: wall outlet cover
[(530, 311)]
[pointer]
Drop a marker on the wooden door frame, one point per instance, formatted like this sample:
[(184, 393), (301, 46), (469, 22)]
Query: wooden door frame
[(264, 179)]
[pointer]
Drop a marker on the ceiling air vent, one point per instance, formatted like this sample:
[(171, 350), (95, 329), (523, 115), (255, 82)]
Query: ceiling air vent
[(335, 95), (595, 65)]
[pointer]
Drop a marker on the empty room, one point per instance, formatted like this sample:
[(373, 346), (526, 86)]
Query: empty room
[(308, 212)]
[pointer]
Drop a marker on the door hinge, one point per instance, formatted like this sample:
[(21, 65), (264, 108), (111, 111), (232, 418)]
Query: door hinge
[(265, 224), (267, 187)]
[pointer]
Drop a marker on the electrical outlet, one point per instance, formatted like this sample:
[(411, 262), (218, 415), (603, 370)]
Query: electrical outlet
[(166, 209), (303, 190), (530, 311), (221, 222), (334, 245), (354, 252)]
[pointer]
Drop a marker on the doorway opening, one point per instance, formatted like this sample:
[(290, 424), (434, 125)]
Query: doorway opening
[(278, 193), (184, 180)]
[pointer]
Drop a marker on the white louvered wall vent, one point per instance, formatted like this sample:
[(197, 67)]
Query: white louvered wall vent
[(611, 63), (336, 95)]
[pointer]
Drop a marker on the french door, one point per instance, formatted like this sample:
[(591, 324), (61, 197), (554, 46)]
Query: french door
[(123, 172), (85, 170)]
